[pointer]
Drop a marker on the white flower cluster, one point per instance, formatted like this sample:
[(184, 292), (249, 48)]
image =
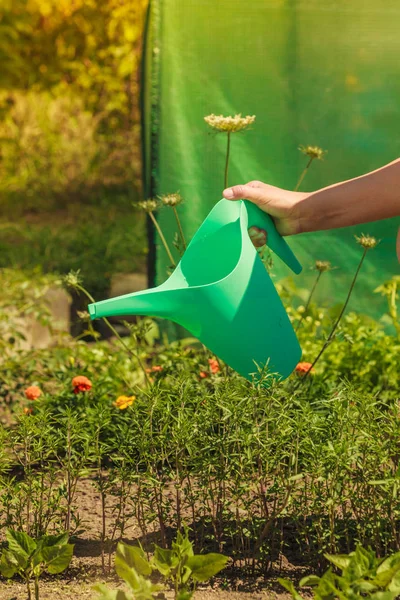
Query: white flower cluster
[(229, 124)]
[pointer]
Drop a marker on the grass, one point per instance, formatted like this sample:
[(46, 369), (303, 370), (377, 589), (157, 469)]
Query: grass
[(293, 469), (98, 238)]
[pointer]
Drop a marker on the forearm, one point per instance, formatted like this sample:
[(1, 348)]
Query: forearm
[(371, 197)]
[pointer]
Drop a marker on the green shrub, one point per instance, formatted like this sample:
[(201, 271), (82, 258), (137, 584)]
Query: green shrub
[(362, 575)]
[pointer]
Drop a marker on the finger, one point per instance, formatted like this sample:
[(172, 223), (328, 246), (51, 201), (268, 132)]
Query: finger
[(247, 191), (256, 184)]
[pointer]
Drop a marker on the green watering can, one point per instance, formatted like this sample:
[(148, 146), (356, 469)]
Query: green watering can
[(221, 292)]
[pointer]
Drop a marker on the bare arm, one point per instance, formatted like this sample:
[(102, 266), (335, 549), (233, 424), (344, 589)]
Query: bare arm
[(371, 197)]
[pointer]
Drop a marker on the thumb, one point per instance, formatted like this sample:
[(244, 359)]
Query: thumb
[(247, 192)]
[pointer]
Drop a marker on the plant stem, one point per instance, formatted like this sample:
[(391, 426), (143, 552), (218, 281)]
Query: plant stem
[(162, 238), (28, 589), (27, 466), (304, 173), (180, 228), (103, 500), (68, 515), (36, 588), (228, 150), (330, 336), (115, 332), (309, 300)]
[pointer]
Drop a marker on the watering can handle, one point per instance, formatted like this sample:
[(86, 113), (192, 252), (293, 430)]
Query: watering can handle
[(260, 219)]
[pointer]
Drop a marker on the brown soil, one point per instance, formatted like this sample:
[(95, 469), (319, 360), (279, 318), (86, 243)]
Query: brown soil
[(86, 567)]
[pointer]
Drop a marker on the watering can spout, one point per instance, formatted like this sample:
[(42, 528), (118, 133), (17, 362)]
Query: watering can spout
[(153, 303)]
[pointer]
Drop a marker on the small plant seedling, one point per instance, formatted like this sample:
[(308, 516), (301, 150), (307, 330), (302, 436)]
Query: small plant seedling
[(179, 565), (362, 575), (29, 558)]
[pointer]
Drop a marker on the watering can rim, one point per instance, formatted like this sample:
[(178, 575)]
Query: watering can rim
[(242, 214)]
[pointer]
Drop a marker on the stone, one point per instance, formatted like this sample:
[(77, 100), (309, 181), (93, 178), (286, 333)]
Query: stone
[(38, 335)]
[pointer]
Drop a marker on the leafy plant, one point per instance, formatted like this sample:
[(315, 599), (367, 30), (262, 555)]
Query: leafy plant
[(29, 558), (179, 565), (361, 575)]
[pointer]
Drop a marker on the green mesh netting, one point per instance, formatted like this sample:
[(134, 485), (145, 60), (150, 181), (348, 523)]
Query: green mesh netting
[(313, 72)]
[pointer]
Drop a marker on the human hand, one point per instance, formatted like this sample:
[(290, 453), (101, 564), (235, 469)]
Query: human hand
[(281, 205)]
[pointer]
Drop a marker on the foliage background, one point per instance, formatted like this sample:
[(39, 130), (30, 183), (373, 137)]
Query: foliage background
[(69, 135)]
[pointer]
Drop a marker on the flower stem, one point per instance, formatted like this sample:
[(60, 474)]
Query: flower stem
[(180, 228), (304, 173), (164, 241), (309, 300), (115, 332), (228, 150), (332, 333)]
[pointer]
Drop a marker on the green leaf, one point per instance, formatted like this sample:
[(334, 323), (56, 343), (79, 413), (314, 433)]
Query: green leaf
[(57, 558), (9, 565), (183, 546), (132, 556), (327, 588), (389, 562), (288, 585), (146, 589), (106, 594), (341, 561), (127, 573), (21, 545), (296, 477), (394, 585), (204, 566), (384, 577), (184, 595), (384, 595), (37, 557), (310, 580), (54, 540), (164, 560)]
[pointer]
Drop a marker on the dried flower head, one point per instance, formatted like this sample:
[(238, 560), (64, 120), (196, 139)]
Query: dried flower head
[(258, 236), (314, 152), (303, 368), (33, 392), (83, 315), (73, 279), (123, 402), (149, 205), (229, 124), (171, 199), (367, 241), (323, 265), (81, 383)]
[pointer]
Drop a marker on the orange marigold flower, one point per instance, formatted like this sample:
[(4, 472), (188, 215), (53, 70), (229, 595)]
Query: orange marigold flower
[(154, 369), (123, 402), (203, 374), (81, 384), (28, 411), (304, 367), (214, 365), (33, 392)]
